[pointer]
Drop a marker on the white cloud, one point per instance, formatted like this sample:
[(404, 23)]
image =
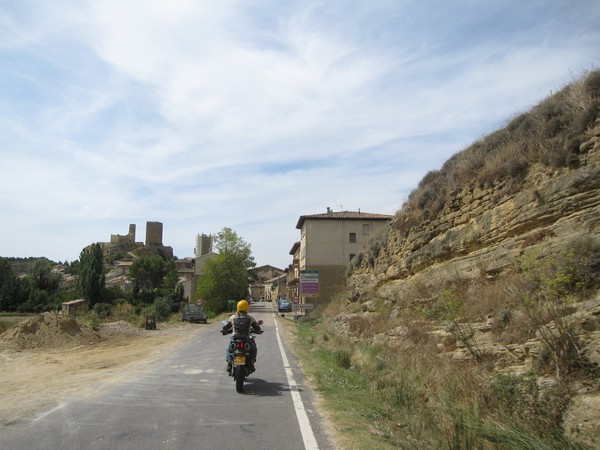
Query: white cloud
[(205, 115)]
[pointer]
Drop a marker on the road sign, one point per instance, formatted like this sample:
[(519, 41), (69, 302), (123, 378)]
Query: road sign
[(199, 302), (309, 283), (306, 274), (295, 299), (309, 289), (303, 306)]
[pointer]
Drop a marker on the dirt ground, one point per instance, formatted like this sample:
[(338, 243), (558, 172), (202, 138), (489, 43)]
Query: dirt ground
[(46, 360)]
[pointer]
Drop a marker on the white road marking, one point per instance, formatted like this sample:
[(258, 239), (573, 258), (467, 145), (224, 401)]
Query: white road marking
[(47, 413), (308, 436)]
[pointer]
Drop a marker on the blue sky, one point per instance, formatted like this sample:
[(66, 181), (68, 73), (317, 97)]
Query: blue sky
[(203, 115)]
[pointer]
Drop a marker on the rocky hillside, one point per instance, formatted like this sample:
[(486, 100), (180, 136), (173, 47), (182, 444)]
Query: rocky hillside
[(477, 232), (495, 258)]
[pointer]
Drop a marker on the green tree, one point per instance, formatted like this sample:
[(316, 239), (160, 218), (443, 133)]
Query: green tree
[(171, 277), (39, 300), (91, 278), (12, 292), (227, 274), (146, 273), (43, 278)]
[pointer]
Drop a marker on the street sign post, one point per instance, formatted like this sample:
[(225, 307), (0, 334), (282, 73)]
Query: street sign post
[(309, 283), (302, 306)]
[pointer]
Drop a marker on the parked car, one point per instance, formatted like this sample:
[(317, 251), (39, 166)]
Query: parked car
[(193, 313), (284, 305)]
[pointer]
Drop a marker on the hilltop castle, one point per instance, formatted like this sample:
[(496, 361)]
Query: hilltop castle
[(127, 244)]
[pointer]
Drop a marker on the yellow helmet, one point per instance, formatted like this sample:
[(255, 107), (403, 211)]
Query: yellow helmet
[(242, 306)]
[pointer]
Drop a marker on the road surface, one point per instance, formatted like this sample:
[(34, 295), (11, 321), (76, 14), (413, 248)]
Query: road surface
[(187, 401)]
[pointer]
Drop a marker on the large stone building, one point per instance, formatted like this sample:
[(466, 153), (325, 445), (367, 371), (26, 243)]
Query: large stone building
[(329, 241)]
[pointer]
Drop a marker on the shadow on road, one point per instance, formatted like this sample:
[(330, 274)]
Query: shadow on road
[(263, 388)]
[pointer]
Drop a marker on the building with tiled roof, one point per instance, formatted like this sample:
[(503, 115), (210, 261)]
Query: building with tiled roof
[(329, 241), (343, 215)]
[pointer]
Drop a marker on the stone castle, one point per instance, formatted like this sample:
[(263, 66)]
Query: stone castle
[(127, 243)]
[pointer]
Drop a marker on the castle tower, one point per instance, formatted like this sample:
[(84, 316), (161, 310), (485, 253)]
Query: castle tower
[(131, 233), (204, 244), (154, 231)]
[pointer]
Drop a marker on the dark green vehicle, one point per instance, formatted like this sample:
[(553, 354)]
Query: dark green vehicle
[(193, 313)]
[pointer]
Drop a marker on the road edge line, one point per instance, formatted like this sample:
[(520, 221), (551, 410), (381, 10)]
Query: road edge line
[(308, 436)]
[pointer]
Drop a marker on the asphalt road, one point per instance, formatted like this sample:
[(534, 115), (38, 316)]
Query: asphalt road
[(187, 401)]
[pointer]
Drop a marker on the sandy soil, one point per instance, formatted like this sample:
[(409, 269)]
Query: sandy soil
[(33, 380)]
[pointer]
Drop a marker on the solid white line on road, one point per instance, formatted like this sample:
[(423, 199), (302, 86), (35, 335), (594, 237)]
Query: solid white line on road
[(310, 443)]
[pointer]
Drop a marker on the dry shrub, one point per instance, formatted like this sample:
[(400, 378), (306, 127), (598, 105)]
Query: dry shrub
[(417, 331), (508, 161), (521, 400), (537, 236), (592, 85), (513, 327), (483, 299), (360, 325), (547, 133), (426, 391), (123, 311), (417, 287)]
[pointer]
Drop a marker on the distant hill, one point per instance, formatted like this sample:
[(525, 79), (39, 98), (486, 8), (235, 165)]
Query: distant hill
[(21, 266)]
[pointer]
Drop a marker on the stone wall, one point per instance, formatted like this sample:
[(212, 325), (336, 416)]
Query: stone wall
[(120, 240)]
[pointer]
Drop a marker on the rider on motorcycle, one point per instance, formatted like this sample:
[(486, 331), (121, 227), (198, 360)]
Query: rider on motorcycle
[(241, 323)]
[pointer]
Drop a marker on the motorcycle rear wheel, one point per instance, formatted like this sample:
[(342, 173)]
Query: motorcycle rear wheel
[(240, 374)]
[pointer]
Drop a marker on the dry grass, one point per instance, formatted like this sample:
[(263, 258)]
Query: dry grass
[(383, 397), (405, 394), (549, 133), (410, 395)]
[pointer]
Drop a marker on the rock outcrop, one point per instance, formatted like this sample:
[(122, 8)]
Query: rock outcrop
[(484, 232), (476, 231)]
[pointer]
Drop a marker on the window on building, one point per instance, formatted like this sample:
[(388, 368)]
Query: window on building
[(352, 255), (365, 228), (352, 237)]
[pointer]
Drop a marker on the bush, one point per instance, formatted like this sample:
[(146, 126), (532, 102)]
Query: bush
[(592, 85), (552, 286), (587, 117), (91, 319), (548, 133), (124, 311), (161, 308), (103, 310), (343, 358)]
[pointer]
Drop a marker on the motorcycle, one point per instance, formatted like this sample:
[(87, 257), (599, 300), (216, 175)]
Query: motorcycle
[(241, 362)]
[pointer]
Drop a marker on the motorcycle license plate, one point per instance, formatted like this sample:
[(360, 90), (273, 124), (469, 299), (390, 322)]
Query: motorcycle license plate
[(239, 360)]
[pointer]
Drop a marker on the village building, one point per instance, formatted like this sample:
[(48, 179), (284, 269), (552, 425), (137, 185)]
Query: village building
[(261, 288), (329, 241)]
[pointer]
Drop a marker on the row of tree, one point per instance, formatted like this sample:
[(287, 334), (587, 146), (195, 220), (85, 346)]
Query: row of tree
[(44, 289), (38, 290), (154, 282)]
